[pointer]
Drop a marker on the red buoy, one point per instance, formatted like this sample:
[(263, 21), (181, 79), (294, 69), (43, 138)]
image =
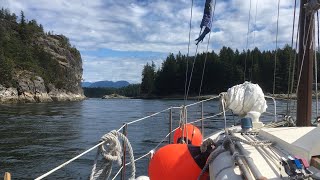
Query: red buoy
[(190, 133), (176, 161)]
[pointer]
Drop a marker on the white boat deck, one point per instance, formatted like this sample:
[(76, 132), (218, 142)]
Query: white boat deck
[(301, 141)]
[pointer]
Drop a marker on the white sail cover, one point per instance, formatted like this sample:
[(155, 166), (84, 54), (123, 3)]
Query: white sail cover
[(246, 97)]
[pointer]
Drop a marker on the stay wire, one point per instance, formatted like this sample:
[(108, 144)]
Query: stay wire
[(305, 42), (290, 58), (190, 78), (295, 62), (254, 40), (187, 58), (316, 65), (245, 60), (275, 55)]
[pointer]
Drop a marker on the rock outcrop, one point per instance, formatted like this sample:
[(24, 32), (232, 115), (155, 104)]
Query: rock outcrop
[(31, 88), (114, 96), (55, 74)]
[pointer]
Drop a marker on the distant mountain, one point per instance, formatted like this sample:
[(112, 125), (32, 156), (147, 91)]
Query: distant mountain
[(117, 84), (86, 84)]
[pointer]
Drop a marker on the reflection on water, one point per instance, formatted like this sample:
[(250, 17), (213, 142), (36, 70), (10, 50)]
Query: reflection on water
[(35, 138)]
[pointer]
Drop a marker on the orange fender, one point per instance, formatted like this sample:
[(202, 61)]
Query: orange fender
[(174, 161), (191, 132)]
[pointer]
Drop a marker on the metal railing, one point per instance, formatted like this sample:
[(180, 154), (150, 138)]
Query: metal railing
[(124, 129)]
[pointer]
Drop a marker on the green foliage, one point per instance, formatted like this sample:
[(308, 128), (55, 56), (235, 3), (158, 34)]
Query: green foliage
[(222, 71), (6, 71), (21, 50), (22, 19), (5, 14), (133, 90), (148, 78)]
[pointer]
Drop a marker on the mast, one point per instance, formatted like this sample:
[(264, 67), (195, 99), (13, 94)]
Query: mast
[(306, 56)]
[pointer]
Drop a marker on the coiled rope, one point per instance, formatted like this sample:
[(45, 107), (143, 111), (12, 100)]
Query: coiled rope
[(252, 143), (111, 151)]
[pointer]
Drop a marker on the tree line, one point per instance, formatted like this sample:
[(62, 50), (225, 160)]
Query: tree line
[(132, 90), (222, 70)]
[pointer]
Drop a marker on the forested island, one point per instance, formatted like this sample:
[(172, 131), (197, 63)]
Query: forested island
[(222, 70), (36, 66)]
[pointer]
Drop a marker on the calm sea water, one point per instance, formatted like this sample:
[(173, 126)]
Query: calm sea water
[(35, 138)]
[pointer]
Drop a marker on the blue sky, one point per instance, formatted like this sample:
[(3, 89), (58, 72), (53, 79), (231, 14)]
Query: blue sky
[(117, 38)]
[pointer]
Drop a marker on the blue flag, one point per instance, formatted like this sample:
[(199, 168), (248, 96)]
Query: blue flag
[(206, 20)]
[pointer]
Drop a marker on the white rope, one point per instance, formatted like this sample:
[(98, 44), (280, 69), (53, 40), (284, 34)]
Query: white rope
[(224, 112), (252, 143), (183, 122), (112, 152)]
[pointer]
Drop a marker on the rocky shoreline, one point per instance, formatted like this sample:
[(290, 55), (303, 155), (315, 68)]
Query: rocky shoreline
[(33, 89), (11, 95), (114, 96)]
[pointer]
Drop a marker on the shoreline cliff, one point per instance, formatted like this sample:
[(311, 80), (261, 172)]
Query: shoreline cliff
[(36, 66)]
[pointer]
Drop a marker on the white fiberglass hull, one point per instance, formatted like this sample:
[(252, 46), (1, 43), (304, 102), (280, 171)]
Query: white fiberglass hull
[(287, 141)]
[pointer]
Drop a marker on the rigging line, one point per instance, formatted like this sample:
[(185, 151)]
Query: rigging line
[(245, 60), (275, 55), (194, 60), (255, 23), (205, 59), (295, 60), (254, 39), (185, 85), (316, 64), (305, 40), (290, 57)]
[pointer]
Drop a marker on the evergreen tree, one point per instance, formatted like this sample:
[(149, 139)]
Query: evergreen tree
[(6, 71), (2, 13), (22, 19), (148, 77)]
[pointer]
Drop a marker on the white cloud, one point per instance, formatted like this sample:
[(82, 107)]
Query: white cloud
[(115, 69), (155, 25)]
